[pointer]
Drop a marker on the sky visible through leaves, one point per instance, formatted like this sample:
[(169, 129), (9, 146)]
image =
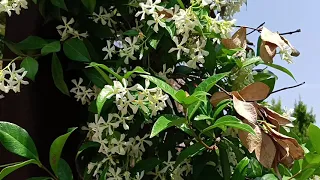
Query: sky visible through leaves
[(285, 16)]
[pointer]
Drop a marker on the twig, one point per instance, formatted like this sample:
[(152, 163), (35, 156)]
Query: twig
[(225, 91), (44, 168), (256, 28), (292, 32), (290, 87)]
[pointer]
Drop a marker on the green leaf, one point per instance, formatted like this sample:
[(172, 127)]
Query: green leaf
[(60, 4), (76, 50), (103, 75), (35, 1), (94, 76), (13, 48), (269, 177), (224, 160), (202, 117), (31, 66), (89, 4), (306, 174), (57, 75), (313, 133), (137, 69), (32, 42), (254, 168), (270, 82), (64, 171), (280, 68), (9, 169), (131, 32), (163, 85), (210, 60), (85, 146), (192, 109), (56, 149), (230, 121), (145, 165), (103, 96), (189, 152), (171, 28), (181, 4), (207, 84), (258, 45), (164, 122), (17, 140), (251, 61), (106, 68), (312, 158), (220, 106), (52, 47), (241, 170), (40, 178)]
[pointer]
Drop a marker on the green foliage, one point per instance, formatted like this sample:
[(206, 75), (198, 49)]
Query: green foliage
[(31, 66), (57, 75), (165, 122), (9, 169), (76, 50)]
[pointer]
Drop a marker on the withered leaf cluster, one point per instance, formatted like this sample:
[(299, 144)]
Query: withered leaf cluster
[(270, 146), (270, 41)]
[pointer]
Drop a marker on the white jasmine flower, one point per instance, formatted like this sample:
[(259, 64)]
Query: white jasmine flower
[(179, 47), (141, 141), (122, 120), (149, 8), (78, 35), (114, 175), (139, 175), (64, 30), (158, 174), (157, 21), (163, 74), (11, 79), (109, 49), (118, 145), (81, 92), (168, 164)]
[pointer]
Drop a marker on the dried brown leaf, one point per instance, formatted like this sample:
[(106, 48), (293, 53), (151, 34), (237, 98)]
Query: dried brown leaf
[(255, 92), (245, 109), (251, 141), (266, 152), (273, 37), (294, 52), (267, 51), (238, 39), (218, 97), (282, 121)]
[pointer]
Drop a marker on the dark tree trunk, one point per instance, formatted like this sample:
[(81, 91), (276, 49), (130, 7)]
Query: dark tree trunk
[(39, 108)]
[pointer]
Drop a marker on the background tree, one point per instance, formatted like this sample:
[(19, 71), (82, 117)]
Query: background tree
[(303, 117)]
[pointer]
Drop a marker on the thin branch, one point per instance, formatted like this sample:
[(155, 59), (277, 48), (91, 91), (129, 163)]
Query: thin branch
[(225, 91), (256, 28), (292, 32), (290, 87)]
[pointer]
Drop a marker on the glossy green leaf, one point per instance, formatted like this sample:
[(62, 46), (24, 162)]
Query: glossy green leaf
[(254, 168), (280, 68), (171, 28), (230, 121), (314, 133), (254, 60), (64, 171), (76, 50), (31, 42), (13, 48), (17, 140), (306, 174), (202, 117), (163, 85), (57, 75), (103, 75), (181, 4), (225, 164), (207, 84), (220, 107), (270, 82), (137, 69), (192, 109), (106, 68), (94, 76), (89, 4), (258, 45), (189, 152), (145, 165), (269, 177), (9, 169), (56, 149), (240, 171), (131, 32), (52, 47), (31, 66), (87, 145), (164, 122), (211, 59), (60, 4), (103, 96), (312, 158)]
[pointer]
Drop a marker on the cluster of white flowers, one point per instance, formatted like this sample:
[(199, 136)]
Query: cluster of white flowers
[(12, 78), (66, 30), (113, 144), (104, 17), (126, 49), (230, 6), (84, 93), (13, 5)]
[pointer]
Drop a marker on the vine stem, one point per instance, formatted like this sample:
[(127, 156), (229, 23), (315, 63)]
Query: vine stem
[(9, 164), (49, 172)]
